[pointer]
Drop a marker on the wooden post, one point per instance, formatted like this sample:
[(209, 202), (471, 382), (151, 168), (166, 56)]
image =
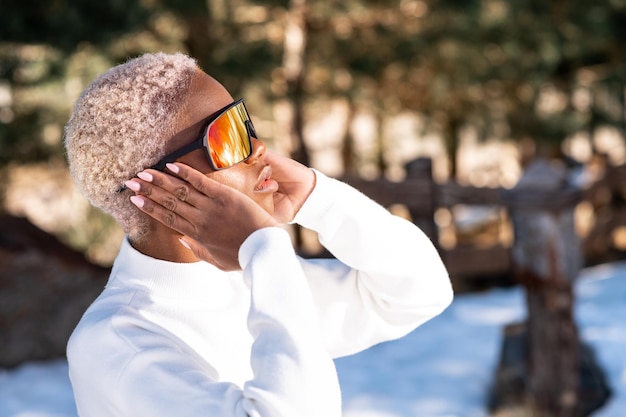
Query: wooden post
[(546, 259), (422, 168)]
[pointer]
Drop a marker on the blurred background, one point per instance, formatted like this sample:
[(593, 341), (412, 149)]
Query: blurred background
[(351, 87)]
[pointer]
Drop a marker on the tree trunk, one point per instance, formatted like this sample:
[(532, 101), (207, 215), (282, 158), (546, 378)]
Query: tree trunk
[(293, 67)]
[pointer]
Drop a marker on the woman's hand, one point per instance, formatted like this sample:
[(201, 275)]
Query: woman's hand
[(295, 183), (214, 218)]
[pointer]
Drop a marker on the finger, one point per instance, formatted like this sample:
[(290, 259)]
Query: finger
[(169, 218), (287, 171), (225, 263), (279, 164), (198, 250), (177, 187), (200, 182)]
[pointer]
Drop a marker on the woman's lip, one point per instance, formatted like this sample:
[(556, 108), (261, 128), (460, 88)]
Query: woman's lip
[(266, 183), (267, 186)]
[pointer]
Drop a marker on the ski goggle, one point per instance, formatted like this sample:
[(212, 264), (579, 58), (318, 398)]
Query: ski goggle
[(226, 138)]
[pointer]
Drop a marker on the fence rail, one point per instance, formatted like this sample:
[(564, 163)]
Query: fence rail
[(470, 260)]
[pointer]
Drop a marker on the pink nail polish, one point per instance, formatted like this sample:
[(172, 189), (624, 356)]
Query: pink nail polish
[(145, 176), (132, 185), (138, 201), (172, 168)]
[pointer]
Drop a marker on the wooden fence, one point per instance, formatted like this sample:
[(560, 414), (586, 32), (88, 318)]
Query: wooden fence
[(477, 256)]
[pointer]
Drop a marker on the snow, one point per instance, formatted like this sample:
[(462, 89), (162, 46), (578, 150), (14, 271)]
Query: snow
[(442, 369)]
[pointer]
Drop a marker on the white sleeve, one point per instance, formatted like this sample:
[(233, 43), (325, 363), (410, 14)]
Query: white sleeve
[(289, 359), (387, 278)]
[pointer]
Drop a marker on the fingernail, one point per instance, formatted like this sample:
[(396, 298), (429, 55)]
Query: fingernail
[(145, 176), (172, 168), (185, 244), (138, 201), (132, 185)]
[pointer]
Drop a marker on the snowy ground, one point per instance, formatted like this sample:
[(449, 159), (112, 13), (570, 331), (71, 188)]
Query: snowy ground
[(443, 369)]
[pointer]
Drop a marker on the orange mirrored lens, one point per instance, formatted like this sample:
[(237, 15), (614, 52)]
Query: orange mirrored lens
[(228, 138)]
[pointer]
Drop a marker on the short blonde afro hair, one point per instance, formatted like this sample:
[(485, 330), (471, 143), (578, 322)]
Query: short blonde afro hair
[(120, 125)]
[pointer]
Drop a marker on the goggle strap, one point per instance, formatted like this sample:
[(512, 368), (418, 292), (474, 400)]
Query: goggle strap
[(197, 144)]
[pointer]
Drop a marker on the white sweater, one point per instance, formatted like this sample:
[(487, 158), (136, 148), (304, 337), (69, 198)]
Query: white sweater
[(168, 339)]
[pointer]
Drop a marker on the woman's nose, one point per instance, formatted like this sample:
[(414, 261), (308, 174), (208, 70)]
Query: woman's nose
[(258, 151)]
